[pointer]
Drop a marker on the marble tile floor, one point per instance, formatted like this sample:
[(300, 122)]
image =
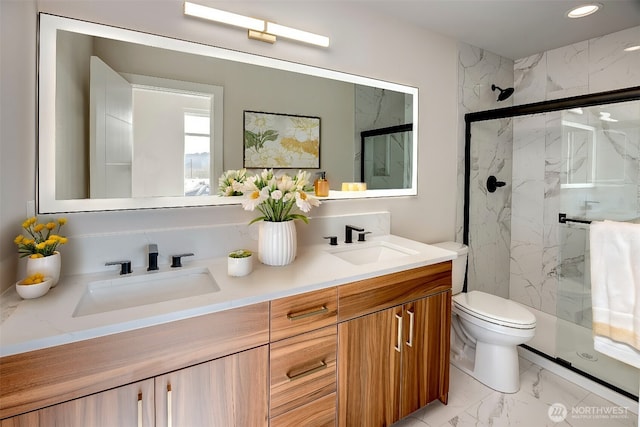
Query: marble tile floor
[(541, 393)]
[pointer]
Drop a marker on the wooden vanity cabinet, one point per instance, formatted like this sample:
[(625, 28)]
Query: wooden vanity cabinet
[(216, 365), (230, 391), (130, 405), (303, 359), (366, 353), (393, 361)]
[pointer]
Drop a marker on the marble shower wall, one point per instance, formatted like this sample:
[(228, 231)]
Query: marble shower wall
[(541, 248), (515, 237), (489, 224)]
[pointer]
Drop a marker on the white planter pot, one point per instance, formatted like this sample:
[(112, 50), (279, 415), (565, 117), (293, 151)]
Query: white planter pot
[(277, 242), (49, 266), (239, 267)]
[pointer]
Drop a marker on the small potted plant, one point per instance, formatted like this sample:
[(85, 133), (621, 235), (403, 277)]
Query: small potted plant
[(240, 263), (41, 244)]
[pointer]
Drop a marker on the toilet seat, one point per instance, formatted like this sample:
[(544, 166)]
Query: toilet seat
[(494, 309)]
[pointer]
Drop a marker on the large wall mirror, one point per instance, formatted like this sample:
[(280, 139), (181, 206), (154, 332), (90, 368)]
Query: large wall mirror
[(130, 120)]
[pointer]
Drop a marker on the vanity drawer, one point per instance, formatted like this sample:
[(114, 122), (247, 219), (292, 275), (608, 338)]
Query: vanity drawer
[(319, 413), (302, 369), (303, 313)]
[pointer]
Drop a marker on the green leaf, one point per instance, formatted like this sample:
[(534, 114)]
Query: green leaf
[(300, 217), (270, 135), (251, 139), (260, 218)]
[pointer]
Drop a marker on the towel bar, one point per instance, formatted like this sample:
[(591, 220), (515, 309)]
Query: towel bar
[(562, 219)]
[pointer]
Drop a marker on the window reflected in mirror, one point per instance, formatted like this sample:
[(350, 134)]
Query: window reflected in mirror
[(197, 153)]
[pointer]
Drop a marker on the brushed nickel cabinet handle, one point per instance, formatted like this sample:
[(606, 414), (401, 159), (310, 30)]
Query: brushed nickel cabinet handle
[(139, 409), (411, 317), (398, 347), (295, 376), (303, 315), (169, 412)]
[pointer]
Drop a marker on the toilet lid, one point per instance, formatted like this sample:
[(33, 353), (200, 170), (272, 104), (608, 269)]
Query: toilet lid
[(495, 309)]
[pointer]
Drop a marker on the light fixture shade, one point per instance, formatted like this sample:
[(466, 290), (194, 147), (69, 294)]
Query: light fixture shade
[(222, 16), (292, 33), (258, 28)]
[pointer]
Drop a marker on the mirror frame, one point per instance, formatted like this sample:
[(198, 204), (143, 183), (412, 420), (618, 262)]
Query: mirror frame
[(45, 191)]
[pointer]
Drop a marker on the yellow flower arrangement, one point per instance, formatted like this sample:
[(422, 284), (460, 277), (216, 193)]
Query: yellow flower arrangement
[(40, 240)]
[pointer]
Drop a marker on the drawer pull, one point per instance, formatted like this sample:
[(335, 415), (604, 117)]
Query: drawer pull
[(411, 318), (398, 347), (297, 375), (305, 314), (139, 409), (169, 412)]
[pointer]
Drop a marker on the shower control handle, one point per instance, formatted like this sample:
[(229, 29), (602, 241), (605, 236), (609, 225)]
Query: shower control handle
[(493, 184)]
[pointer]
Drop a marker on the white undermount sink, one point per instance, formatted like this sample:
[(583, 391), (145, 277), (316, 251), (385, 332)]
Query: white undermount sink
[(371, 252), (150, 288)]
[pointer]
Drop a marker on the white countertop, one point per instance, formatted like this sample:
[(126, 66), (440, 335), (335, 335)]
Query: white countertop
[(47, 321)]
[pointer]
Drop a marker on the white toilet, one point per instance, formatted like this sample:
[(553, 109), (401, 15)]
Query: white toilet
[(485, 330)]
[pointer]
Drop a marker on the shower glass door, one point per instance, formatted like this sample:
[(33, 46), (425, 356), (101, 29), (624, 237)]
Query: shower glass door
[(599, 176), (583, 163)]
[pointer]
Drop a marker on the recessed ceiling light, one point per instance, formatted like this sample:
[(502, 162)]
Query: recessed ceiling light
[(584, 10), (632, 48)]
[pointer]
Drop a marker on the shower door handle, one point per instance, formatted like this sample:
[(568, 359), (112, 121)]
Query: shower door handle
[(493, 184)]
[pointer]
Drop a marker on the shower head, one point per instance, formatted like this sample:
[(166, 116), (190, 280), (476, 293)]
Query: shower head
[(504, 93)]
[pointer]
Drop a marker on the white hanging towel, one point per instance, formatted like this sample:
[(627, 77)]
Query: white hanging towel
[(615, 289)]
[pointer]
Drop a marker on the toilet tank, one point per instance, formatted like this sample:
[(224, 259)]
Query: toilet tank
[(459, 264)]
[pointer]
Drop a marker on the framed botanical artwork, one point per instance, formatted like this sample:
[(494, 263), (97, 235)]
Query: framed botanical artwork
[(281, 141)]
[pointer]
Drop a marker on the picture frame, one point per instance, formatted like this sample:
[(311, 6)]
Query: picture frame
[(280, 141)]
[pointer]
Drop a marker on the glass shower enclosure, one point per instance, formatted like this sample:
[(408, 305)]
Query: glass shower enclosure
[(564, 163)]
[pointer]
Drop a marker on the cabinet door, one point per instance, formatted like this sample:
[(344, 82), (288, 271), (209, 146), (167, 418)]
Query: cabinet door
[(130, 405), (230, 391), (425, 355), (369, 369)]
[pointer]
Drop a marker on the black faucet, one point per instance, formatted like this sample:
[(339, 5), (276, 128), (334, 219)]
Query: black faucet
[(153, 257), (125, 266), (348, 229), (176, 260)]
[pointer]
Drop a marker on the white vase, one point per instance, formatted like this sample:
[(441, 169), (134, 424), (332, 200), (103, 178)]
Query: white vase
[(49, 266), (277, 242)]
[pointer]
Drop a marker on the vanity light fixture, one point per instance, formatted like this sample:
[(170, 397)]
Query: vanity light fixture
[(223, 17), (258, 29), (299, 35), (584, 10), (632, 48)]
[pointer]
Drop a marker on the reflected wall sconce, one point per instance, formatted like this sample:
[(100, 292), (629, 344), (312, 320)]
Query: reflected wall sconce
[(258, 29)]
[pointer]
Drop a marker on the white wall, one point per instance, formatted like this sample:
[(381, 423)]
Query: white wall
[(362, 43)]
